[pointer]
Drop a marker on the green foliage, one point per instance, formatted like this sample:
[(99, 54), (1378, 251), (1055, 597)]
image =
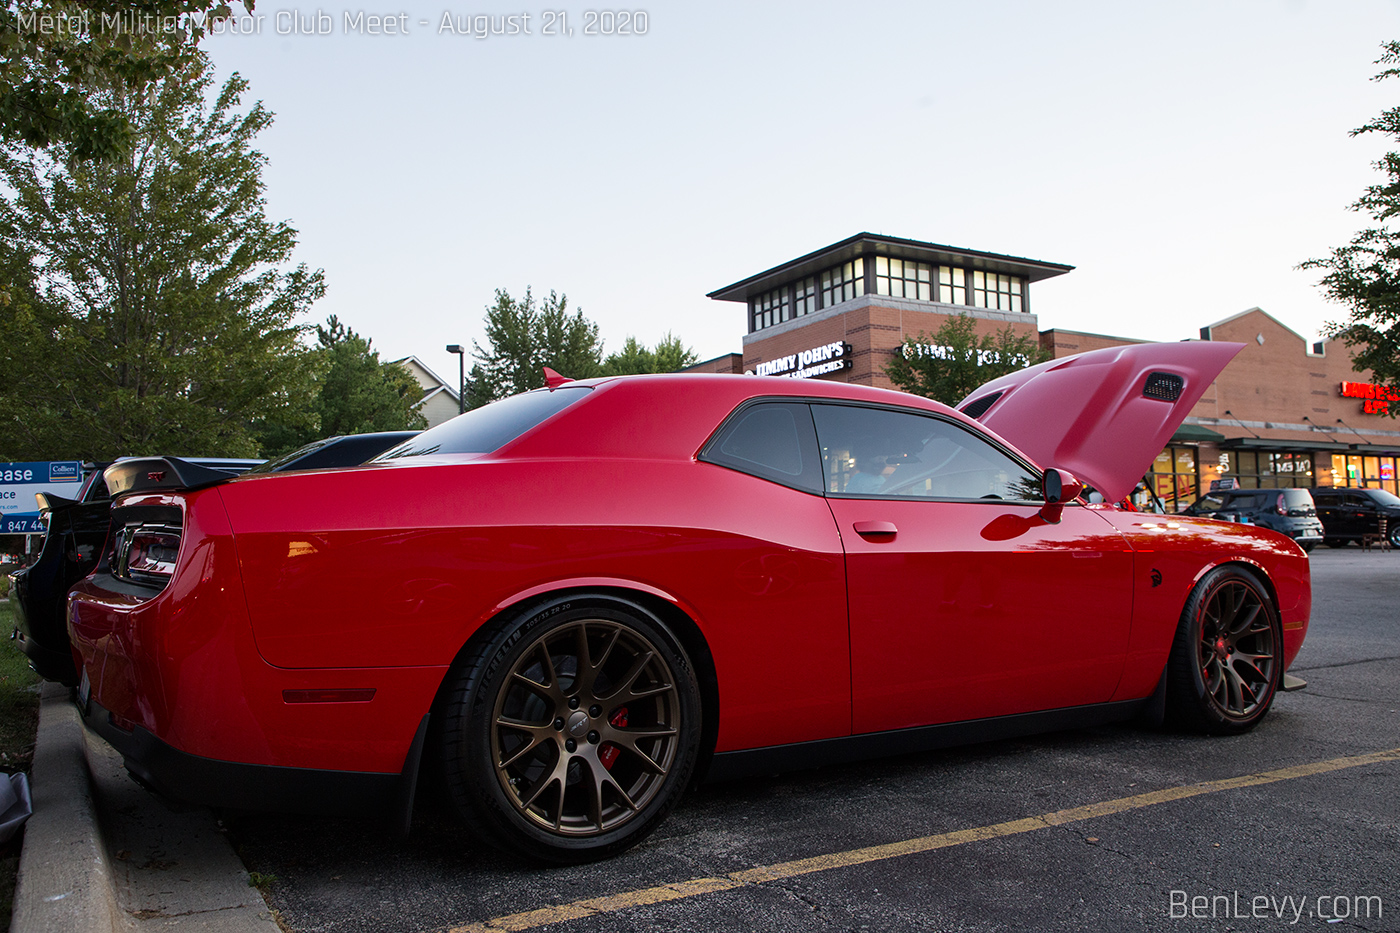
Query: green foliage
[(522, 337), (263, 882), (356, 393), (59, 59), (956, 359), (152, 308), (634, 358), (19, 703), (1364, 275)]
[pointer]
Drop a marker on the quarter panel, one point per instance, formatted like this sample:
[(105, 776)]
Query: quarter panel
[(399, 565)]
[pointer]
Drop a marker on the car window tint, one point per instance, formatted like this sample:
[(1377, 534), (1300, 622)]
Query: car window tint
[(771, 440), (1210, 504), (489, 427), (1384, 498), (883, 453)]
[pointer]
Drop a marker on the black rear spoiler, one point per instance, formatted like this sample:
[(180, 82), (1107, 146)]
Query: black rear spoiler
[(48, 502), (160, 474)]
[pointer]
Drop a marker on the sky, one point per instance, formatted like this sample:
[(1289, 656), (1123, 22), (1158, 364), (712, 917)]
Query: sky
[(1185, 157)]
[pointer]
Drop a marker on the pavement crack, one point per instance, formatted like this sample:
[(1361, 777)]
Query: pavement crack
[(1333, 696), (814, 906), (1323, 667), (166, 915)]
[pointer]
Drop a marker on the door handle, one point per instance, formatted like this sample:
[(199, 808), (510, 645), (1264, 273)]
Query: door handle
[(876, 529)]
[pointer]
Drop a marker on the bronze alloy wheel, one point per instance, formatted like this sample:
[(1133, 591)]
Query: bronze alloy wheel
[(1237, 650), (569, 731), (585, 729), (1225, 666)]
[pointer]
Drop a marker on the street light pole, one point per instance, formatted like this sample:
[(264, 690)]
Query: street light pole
[(461, 375)]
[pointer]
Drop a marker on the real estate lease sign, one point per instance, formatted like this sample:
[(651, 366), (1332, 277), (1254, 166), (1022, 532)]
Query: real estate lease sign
[(19, 512)]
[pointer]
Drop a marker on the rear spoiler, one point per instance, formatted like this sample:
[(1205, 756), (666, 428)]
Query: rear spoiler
[(159, 474), (48, 502)]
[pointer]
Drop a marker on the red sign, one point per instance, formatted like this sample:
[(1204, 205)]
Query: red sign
[(1375, 399)]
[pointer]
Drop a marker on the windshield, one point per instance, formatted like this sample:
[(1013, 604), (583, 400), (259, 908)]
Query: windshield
[(485, 429), (1384, 498), (271, 466)]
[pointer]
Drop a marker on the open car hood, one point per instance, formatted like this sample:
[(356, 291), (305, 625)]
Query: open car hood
[(1103, 415)]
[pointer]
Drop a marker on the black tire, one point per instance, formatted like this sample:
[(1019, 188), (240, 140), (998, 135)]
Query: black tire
[(1394, 534), (571, 731), (1226, 662), (1307, 548)]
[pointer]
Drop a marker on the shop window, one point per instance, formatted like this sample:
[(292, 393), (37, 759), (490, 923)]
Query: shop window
[(996, 291), (903, 278), (842, 283), (1173, 478), (805, 299), (1259, 470), (771, 308), (952, 285)]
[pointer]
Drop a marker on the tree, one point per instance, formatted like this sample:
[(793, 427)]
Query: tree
[(522, 337), (1364, 275), (158, 309), (359, 393), (956, 359), (58, 58), (669, 355)]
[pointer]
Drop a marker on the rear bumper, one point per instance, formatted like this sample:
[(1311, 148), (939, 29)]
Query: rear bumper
[(194, 779)]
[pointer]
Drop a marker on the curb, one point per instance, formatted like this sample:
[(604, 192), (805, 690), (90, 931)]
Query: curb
[(64, 880), (102, 855)]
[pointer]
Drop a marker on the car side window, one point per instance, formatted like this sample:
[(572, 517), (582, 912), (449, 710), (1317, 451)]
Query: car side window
[(884, 453), (771, 440)]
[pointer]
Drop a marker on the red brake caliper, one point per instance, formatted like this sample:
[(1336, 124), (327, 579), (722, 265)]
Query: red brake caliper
[(609, 752)]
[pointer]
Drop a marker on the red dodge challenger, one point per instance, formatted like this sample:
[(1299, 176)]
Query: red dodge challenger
[(572, 603)]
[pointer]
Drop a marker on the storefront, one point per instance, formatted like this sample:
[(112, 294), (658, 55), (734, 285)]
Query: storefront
[(1284, 413)]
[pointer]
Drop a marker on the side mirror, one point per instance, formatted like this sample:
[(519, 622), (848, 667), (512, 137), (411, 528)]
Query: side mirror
[(1057, 487)]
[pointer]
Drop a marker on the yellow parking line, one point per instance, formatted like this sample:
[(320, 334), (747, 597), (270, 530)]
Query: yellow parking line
[(670, 892)]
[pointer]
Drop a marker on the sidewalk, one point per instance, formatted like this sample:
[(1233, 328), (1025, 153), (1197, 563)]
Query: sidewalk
[(102, 855)]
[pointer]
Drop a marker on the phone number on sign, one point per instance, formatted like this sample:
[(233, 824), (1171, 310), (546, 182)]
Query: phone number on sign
[(549, 23)]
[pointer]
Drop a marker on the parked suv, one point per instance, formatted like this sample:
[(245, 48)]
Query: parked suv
[(1347, 513), (1288, 511)]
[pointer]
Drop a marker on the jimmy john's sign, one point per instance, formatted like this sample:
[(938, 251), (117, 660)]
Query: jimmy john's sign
[(818, 361)]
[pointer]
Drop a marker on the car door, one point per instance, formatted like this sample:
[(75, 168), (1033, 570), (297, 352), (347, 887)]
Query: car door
[(964, 603), (1359, 515), (1327, 503)]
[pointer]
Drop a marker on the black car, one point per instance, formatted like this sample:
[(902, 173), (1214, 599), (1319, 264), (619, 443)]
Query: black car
[(1287, 511), (77, 529), (1349, 513)]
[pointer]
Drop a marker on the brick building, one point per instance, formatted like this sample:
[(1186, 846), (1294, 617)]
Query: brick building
[(1284, 413)]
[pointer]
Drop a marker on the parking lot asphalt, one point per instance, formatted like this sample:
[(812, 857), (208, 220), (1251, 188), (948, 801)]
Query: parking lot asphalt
[(1296, 824)]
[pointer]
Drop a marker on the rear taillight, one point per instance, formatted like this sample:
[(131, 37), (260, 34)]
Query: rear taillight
[(146, 554)]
